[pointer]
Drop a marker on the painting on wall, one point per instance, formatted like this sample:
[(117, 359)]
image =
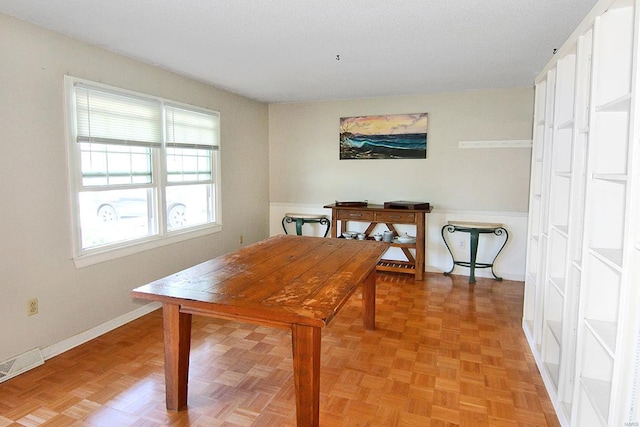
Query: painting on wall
[(396, 136)]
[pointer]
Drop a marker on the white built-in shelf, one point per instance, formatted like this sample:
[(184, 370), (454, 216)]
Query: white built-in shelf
[(563, 230), (612, 177), (577, 265), (538, 348), (566, 407), (556, 330), (598, 392), (565, 125), (553, 370), (605, 334), (558, 283), (618, 105), (611, 257), (584, 169), (529, 324)]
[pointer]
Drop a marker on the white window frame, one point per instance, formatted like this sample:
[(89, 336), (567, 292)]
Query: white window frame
[(84, 257)]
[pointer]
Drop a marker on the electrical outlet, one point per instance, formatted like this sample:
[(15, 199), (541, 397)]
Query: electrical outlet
[(462, 244), (32, 306)]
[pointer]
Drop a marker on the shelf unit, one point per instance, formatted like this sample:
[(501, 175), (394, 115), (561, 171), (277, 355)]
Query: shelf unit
[(583, 254), (538, 200)]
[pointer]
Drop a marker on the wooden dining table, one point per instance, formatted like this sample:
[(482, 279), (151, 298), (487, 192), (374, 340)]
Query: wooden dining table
[(291, 282)]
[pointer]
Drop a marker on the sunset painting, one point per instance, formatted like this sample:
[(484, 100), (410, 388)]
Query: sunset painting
[(398, 136)]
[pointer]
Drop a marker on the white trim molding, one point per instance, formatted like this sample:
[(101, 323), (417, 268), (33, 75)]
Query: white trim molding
[(86, 336)]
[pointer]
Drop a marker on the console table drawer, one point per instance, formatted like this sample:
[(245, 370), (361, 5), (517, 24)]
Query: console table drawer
[(398, 218), (348, 214)]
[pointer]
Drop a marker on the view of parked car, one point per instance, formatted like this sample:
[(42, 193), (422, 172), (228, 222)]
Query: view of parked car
[(132, 207), (109, 216)]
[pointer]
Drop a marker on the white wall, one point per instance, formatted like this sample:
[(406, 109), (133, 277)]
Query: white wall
[(35, 236), (305, 166), (490, 185)]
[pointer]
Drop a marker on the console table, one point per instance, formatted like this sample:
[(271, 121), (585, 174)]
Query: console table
[(378, 214), (474, 229)]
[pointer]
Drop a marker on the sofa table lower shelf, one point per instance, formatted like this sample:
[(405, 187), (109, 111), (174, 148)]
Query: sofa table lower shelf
[(395, 266), (378, 214)]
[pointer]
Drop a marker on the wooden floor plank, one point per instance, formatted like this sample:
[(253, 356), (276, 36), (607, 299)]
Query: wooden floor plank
[(444, 353)]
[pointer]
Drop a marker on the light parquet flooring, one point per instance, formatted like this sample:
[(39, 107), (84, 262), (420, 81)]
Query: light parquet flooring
[(444, 353)]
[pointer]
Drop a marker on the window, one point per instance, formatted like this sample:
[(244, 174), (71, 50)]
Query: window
[(143, 169)]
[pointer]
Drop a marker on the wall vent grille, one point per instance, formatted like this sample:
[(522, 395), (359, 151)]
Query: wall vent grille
[(19, 364)]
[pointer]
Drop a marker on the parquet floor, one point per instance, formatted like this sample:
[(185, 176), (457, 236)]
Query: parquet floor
[(443, 354)]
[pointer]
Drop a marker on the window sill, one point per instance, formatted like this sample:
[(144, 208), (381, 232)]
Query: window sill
[(140, 246)]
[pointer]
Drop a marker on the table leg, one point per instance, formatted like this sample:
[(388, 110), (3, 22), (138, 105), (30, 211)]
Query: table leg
[(334, 224), (326, 223), (499, 232), (420, 243), (369, 301), (306, 373), (473, 248), (177, 344), (450, 229)]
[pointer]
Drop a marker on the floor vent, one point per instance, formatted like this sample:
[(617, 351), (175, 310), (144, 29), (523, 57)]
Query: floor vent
[(19, 364)]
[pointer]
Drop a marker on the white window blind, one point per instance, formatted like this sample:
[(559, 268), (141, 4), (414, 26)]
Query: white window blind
[(190, 137), (109, 118), (191, 129), (115, 134)]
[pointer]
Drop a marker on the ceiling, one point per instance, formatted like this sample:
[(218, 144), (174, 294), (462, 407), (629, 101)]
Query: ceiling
[(281, 51)]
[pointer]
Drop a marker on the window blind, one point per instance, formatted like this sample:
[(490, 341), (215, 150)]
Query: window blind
[(110, 118), (191, 129)]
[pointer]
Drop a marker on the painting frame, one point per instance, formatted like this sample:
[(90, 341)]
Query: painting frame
[(389, 136)]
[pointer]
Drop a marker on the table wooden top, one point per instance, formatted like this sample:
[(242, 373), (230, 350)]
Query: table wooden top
[(376, 207), (281, 281), (474, 224)]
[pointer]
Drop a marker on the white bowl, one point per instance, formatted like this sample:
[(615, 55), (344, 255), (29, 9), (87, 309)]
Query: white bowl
[(406, 239)]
